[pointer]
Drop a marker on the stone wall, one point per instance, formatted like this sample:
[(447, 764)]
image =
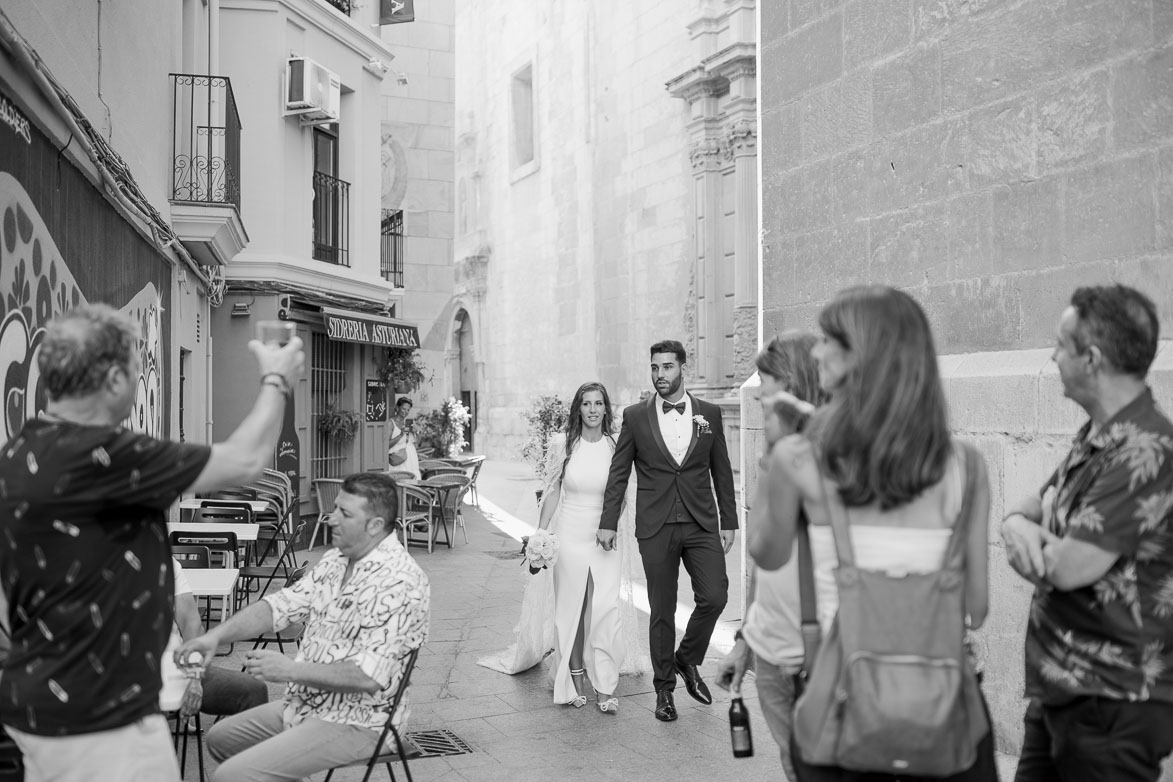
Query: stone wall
[(988, 156)]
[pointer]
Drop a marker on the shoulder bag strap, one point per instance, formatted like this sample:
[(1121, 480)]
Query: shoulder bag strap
[(955, 551), (840, 528), (811, 632)]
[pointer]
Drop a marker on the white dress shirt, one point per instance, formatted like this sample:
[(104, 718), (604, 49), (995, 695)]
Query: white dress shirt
[(676, 428)]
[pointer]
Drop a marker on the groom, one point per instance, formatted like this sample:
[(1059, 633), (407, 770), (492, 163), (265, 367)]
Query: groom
[(678, 448)]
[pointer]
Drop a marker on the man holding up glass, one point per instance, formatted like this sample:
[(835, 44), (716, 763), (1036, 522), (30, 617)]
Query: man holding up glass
[(85, 561)]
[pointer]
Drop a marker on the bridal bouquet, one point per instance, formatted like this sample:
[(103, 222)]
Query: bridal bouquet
[(540, 550)]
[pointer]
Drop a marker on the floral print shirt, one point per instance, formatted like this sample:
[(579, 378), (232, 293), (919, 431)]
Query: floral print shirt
[(373, 620), (1113, 638)]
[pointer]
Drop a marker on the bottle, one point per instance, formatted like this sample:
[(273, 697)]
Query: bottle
[(739, 729)]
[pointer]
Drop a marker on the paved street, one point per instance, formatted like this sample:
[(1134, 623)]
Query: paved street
[(515, 731)]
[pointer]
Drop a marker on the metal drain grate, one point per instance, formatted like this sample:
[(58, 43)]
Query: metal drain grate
[(434, 743)]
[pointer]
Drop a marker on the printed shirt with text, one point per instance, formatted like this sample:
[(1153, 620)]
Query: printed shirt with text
[(1114, 638), (373, 620)]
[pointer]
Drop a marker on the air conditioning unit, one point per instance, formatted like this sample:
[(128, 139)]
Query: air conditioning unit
[(311, 92)]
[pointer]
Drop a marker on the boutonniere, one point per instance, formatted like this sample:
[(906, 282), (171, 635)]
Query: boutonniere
[(702, 425)]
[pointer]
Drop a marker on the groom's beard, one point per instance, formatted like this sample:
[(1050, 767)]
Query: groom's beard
[(670, 389)]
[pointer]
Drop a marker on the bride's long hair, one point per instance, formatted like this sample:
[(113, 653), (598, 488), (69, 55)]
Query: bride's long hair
[(574, 419)]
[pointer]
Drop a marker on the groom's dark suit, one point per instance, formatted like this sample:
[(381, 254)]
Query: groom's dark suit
[(676, 519)]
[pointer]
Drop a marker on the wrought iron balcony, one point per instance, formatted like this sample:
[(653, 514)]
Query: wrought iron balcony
[(342, 5), (206, 144), (331, 219), (391, 247)]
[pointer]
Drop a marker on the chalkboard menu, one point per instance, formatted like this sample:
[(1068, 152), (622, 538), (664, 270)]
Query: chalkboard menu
[(376, 402)]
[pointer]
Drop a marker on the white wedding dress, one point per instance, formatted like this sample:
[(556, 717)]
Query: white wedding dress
[(553, 601)]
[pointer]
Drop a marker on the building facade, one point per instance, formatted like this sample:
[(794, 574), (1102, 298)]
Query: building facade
[(86, 189), (606, 199), (988, 158)]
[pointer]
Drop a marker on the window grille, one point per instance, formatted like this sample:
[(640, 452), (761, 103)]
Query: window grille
[(391, 247), (328, 362)]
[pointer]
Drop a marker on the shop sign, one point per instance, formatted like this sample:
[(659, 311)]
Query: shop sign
[(370, 329), (15, 121)]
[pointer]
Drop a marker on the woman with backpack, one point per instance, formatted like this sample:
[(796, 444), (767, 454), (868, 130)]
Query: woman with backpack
[(884, 488)]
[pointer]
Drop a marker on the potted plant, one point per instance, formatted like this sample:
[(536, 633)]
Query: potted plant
[(402, 370), (443, 428), (338, 424), (546, 418)]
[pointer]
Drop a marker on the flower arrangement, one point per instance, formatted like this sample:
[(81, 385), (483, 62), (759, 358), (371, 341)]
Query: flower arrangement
[(402, 370), (443, 429), (546, 419), (540, 550), (702, 425), (339, 425)]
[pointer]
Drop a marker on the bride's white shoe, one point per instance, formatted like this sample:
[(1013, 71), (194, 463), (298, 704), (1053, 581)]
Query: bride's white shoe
[(609, 706), (581, 699)]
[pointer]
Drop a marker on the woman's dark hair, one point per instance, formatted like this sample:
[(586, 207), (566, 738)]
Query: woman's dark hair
[(884, 437), (788, 360), (574, 417)]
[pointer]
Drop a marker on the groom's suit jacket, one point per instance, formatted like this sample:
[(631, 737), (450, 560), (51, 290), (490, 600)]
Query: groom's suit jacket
[(705, 470)]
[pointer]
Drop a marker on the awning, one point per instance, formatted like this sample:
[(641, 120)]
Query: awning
[(350, 326)]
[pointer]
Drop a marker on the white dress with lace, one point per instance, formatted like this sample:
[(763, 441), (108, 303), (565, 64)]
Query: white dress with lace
[(553, 598)]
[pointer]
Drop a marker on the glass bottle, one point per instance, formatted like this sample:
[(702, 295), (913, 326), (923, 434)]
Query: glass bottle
[(739, 729)]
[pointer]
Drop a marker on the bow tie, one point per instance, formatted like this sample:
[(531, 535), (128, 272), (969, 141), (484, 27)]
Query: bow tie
[(678, 407)]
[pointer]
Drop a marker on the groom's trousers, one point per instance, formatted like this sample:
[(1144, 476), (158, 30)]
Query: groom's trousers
[(704, 559)]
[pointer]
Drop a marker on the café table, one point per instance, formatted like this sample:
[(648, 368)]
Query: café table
[(214, 582), (194, 503), (245, 533)]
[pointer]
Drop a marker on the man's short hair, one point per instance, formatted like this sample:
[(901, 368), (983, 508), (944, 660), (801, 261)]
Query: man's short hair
[(670, 346), (1122, 322), (403, 401), (81, 345), (380, 492)]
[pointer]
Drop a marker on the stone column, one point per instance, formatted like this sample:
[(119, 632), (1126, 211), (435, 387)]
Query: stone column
[(741, 144)]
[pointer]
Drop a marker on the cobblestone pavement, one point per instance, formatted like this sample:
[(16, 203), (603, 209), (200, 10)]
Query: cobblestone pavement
[(514, 729)]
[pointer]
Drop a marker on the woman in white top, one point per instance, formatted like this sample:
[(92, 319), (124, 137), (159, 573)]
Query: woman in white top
[(884, 446)]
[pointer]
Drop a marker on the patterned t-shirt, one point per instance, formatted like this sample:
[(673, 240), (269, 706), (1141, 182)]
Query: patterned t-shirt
[(85, 566), (1113, 638), (373, 620)]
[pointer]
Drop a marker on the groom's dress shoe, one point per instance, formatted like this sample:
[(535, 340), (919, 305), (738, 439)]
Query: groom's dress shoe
[(693, 683), (665, 706)]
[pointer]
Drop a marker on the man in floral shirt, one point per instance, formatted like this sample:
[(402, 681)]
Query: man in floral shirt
[(365, 607), (1098, 544)]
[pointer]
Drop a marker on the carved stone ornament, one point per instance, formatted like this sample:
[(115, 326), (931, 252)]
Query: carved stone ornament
[(704, 152), (741, 138)]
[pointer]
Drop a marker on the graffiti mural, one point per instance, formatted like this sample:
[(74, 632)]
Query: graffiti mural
[(35, 285)]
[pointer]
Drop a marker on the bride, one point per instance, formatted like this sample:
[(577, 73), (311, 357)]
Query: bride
[(590, 622)]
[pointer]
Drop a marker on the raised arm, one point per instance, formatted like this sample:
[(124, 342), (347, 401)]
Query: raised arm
[(249, 449)]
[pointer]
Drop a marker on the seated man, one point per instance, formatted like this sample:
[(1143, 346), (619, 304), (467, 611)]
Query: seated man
[(219, 691), (365, 606)]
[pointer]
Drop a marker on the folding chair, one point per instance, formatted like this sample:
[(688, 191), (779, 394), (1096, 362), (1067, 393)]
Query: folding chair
[(291, 634), (257, 573), (181, 731), (199, 557), (387, 758), (222, 544), (327, 490)]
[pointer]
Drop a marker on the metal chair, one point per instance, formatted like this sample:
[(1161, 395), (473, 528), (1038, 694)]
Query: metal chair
[(419, 513), (258, 573), (475, 463), (327, 491), (450, 490), (387, 758), (219, 545), (199, 557)]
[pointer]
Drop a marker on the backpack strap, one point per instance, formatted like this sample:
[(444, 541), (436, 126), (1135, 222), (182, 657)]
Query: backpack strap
[(840, 528), (955, 551)]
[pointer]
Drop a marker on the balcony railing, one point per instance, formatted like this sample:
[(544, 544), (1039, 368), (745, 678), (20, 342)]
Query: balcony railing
[(206, 142), (342, 5), (331, 219), (391, 247)]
